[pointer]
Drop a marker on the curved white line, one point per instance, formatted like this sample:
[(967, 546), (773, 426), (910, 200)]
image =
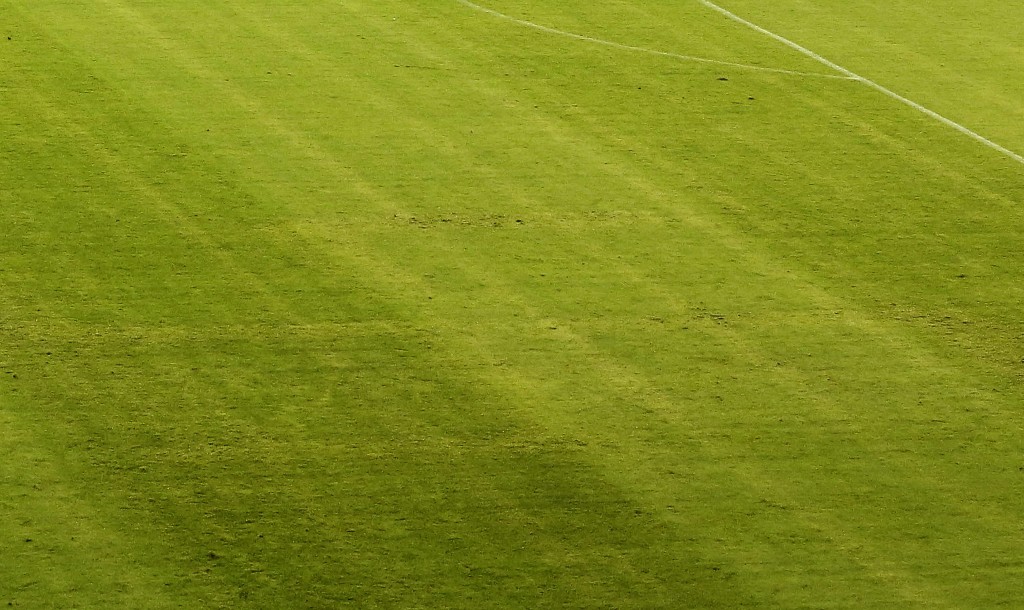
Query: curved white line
[(853, 76), (626, 47)]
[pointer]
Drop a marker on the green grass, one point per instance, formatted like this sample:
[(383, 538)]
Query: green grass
[(387, 304)]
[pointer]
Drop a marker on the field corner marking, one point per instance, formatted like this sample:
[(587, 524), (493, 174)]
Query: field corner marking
[(636, 49)]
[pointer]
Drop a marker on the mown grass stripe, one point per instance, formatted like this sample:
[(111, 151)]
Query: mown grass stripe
[(499, 334)]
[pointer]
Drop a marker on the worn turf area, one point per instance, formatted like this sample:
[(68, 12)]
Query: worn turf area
[(395, 304)]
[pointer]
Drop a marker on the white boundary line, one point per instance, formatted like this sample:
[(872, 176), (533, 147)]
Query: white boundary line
[(853, 76), (626, 47)]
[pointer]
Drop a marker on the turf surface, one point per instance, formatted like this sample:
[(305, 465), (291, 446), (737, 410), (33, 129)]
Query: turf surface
[(403, 304)]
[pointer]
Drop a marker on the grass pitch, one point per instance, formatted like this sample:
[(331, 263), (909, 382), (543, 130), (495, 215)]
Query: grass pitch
[(409, 305)]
